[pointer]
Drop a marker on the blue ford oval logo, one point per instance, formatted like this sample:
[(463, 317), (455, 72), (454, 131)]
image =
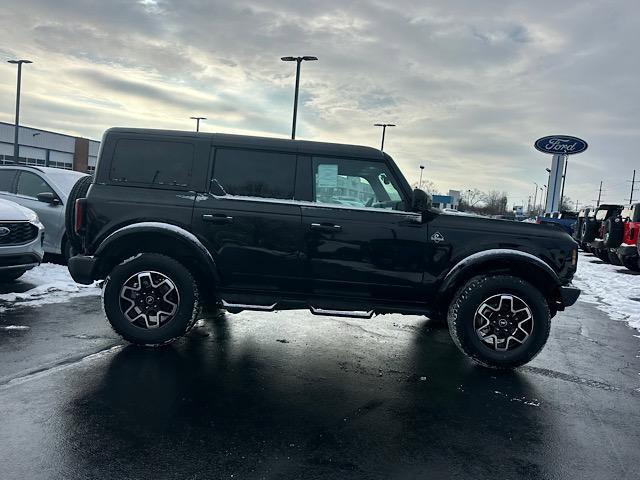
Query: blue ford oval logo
[(560, 145), (4, 231)]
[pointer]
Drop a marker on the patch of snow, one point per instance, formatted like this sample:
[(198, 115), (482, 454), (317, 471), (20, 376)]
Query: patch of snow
[(609, 288), (52, 284), (14, 327)]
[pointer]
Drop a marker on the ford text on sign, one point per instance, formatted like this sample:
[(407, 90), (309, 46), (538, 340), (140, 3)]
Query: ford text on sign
[(560, 144)]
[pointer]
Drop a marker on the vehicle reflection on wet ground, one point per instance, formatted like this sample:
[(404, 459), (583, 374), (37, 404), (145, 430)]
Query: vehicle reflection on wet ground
[(289, 395)]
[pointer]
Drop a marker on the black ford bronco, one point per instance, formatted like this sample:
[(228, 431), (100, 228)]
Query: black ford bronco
[(172, 220)]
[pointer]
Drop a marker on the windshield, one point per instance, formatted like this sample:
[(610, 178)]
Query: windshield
[(64, 179)]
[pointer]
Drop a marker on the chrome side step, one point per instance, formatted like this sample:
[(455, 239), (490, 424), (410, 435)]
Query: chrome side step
[(242, 306), (341, 313)]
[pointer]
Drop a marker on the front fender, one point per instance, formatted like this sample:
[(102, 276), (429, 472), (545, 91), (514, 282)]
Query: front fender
[(486, 257)]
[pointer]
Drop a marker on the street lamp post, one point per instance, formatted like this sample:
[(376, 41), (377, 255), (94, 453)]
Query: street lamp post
[(421, 170), (298, 61), (535, 197), (384, 130), (197, 119), (17, 122)]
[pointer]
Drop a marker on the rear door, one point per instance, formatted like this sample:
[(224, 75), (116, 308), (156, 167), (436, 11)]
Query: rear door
[(359, 240), (250, 220)]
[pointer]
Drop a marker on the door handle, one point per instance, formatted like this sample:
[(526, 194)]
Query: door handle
[(325, 227), (218, 218)]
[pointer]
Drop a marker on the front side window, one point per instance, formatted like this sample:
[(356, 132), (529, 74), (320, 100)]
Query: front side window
[(30, 185), (254, 173), (355, 183), (152, 162)]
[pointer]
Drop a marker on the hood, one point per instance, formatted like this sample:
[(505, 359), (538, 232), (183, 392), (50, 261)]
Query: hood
[(12, 212), (498, 226)]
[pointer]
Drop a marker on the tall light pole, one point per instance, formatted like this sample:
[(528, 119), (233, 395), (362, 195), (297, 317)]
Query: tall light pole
[(17, 123), (535, 197), (421, 170), (298, 61), (384, 129), (197, 119), (545, 199)]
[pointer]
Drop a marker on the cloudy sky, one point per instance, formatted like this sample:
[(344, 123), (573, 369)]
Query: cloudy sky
[(471, 84)]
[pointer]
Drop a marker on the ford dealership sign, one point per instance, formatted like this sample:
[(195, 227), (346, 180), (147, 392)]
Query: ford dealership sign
[(560, 145)]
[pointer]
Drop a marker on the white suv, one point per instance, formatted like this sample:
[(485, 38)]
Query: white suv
[(21, 240)]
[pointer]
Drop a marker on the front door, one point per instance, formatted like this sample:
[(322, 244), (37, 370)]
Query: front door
[(359, 239), (250, 222)]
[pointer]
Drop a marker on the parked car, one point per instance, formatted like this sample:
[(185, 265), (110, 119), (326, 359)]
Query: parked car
[(21, 239), (45, 191), (565, 220), (176, 219), (593, 232), (621, 236)]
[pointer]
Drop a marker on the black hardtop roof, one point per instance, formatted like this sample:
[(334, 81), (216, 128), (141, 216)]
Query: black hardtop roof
[(226, 139)]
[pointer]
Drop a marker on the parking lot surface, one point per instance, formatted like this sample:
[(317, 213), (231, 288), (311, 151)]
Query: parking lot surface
[(291, 395)]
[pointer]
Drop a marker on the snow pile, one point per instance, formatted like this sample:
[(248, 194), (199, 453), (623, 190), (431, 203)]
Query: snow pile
[(612, 289), (51, 284)]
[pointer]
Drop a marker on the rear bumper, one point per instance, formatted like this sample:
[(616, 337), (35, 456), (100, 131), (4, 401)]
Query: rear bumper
[(569, 295), (82, 269)]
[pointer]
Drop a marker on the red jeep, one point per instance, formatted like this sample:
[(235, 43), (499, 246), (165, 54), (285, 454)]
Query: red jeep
[(621, 236)]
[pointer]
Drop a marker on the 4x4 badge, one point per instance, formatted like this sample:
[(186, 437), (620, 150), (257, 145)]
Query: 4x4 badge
[(437, 237)]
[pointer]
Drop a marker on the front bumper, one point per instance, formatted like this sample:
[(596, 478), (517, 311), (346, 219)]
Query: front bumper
[(569, 295), (627, 251), (23, 257), (82, 269)]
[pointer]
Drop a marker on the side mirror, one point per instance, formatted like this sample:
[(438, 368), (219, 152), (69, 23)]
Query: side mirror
[(48, 197), (420, 201)]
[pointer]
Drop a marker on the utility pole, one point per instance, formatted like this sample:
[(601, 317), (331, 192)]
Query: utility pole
[(599, 194), (421, 170), (16, 148), (535, 197), (633, 182)]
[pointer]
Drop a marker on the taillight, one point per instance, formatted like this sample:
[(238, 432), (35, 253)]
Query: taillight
[(80, 211)]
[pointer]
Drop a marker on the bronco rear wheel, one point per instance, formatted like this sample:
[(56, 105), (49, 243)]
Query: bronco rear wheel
[(151, 299), (499, 321)]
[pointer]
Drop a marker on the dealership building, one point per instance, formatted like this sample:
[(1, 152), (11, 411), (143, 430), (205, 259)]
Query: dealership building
[(48, 149)]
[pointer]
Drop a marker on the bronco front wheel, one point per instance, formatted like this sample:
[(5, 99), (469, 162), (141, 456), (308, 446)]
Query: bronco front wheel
[(150, 299), (499, 321)]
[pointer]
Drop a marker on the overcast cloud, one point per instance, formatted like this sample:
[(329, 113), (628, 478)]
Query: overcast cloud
[(470, 84)]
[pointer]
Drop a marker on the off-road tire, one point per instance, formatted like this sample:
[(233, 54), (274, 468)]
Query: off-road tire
[(188, 307), (79, 190), (468, 299), (614, 259), (601, 254), (6, 277), (632, 263)]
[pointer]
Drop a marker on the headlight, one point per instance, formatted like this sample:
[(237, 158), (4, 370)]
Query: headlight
[(32, 217)]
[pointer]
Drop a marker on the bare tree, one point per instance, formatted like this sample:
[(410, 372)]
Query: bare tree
[(428, 186), (567, 204)]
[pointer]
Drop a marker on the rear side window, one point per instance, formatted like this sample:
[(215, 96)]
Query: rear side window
[(254, 173), (6, 180), (152, 162)]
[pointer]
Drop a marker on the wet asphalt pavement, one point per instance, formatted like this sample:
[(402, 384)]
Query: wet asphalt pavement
[(290, 395)]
